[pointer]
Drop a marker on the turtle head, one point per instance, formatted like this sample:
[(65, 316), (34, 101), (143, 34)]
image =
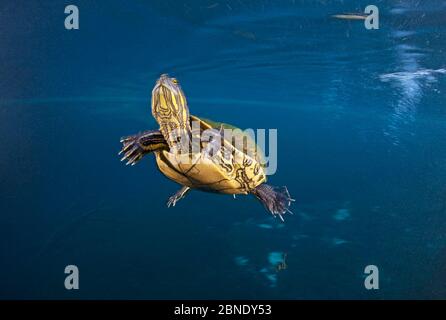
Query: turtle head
[(169, 108)]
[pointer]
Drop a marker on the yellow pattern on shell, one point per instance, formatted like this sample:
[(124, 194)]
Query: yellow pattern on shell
[(237, 174)]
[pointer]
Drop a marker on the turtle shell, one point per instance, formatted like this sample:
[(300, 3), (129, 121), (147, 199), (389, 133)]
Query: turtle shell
[(234, 169), (248, 145)]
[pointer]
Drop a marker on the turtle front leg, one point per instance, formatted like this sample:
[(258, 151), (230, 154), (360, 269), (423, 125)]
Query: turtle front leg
[(177, 196), (136, 146), (276, 200)]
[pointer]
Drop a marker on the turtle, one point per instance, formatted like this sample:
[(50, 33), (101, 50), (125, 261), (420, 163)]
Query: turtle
[(215, 164)]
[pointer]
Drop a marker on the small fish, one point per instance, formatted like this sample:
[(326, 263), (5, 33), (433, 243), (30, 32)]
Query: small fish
[(351, 16)]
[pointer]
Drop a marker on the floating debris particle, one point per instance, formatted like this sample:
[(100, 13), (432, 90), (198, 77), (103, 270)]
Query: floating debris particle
[(282, 265), (241, 261), (212, 6), (341, 214), (245, 34), (265, 226)]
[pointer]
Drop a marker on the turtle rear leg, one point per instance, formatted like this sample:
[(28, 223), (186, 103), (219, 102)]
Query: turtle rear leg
[(180, 194), (276, 200), (136, 146)]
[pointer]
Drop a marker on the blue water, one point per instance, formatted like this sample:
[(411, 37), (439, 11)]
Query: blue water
[(361, 120)]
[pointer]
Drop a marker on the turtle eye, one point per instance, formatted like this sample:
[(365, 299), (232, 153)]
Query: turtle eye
[(174, 80)]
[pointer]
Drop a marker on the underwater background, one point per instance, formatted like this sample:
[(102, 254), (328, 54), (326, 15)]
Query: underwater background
[(361, 120)]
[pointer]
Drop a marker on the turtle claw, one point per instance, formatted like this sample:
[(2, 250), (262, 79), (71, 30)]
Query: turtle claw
[(172, 201), (180, 194), (276, 200), (132, 156), (136, 146)]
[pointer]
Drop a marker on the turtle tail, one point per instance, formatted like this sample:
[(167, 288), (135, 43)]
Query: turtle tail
[(276, 200)]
